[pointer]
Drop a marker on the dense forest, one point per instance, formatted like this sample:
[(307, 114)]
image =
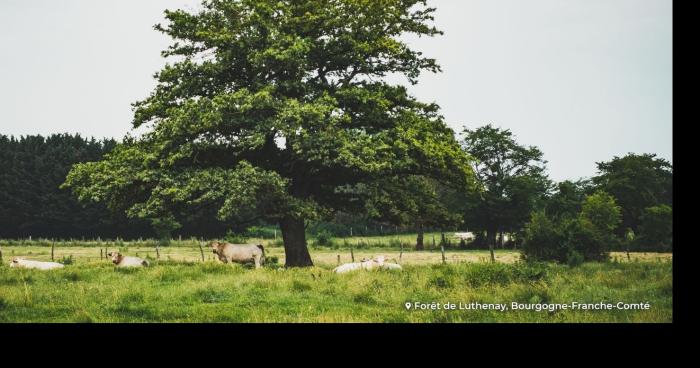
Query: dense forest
[(31, 203)]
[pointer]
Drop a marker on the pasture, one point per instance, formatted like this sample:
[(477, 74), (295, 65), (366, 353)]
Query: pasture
[(179, 287)]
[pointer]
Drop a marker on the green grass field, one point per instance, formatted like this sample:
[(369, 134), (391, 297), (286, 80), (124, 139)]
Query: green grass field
[(179, 287)]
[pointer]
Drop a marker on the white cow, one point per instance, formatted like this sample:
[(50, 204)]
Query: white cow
[(25, 263), (367, 264), (127, 261), (239, 253), (467, 236)]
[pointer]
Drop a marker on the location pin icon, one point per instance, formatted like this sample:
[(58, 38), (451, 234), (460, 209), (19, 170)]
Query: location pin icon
[(408, 305)]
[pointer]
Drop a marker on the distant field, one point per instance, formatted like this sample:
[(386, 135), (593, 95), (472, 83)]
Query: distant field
[(188, 250), (179, 287)]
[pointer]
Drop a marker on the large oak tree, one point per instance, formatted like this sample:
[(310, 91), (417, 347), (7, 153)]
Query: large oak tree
[(277, 110)]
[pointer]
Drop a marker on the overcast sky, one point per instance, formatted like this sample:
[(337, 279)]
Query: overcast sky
[(584, 80)]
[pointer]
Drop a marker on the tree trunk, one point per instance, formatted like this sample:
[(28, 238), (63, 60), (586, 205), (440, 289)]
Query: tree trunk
[(419, 238), (491, 239), (294, 235)]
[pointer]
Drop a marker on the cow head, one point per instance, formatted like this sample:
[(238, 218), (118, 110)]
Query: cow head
[(379, 260), (215, 246), (14, 262), (116, 257)]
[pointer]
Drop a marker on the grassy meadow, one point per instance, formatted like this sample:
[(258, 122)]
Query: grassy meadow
[(179, 287)]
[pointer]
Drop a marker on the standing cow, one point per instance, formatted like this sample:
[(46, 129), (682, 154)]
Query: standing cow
[(127, 261), (239, 253)]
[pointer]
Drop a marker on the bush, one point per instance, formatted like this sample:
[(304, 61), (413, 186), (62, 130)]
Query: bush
[(544, 239), (588, 237), (324, 238), (574, 258), (593, 234), (587, 240)]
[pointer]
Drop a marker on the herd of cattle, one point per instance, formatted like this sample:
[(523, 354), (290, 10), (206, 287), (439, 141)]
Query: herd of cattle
[(225, 252)]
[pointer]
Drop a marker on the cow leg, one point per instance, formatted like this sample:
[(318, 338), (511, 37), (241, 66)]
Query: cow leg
[(257, 262)]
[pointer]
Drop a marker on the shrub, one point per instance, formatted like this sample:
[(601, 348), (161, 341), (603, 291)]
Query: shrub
[(574, 258), (588, 237), (324, 238), (587, 241), (544, 239), (67, 260), (593, 234)]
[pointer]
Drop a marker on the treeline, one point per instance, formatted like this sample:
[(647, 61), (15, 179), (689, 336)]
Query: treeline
[(31, 203), (513, 204), (627, 206)]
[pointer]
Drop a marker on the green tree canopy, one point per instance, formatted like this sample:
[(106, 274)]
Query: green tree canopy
[(567, 197), (601, 211), (277, 109), (656, 229), (511, 179), (412, 200), (588, 236), (637, 182)]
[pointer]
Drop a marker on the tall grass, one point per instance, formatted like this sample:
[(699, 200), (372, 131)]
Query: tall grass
[(172, 291)]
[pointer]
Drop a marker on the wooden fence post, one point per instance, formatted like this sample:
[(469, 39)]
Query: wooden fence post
[(201, 251), (442, 250), (101, 257), (338, 257), (0, 255), (352, 254), (53, 245), (157, 251), (401, 253)]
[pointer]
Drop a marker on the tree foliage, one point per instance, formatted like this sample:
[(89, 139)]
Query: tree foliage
[(278, 109), (589, 236), (637, 182), (566, 199), (656, 229), (414, 201), (511, 181), (31, 203)]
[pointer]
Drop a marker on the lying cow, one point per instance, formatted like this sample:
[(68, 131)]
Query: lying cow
[(25, 263), (127, 261), (239, 253), (367, 264)]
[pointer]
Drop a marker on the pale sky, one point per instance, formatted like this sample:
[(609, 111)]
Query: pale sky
[(584, 80)]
